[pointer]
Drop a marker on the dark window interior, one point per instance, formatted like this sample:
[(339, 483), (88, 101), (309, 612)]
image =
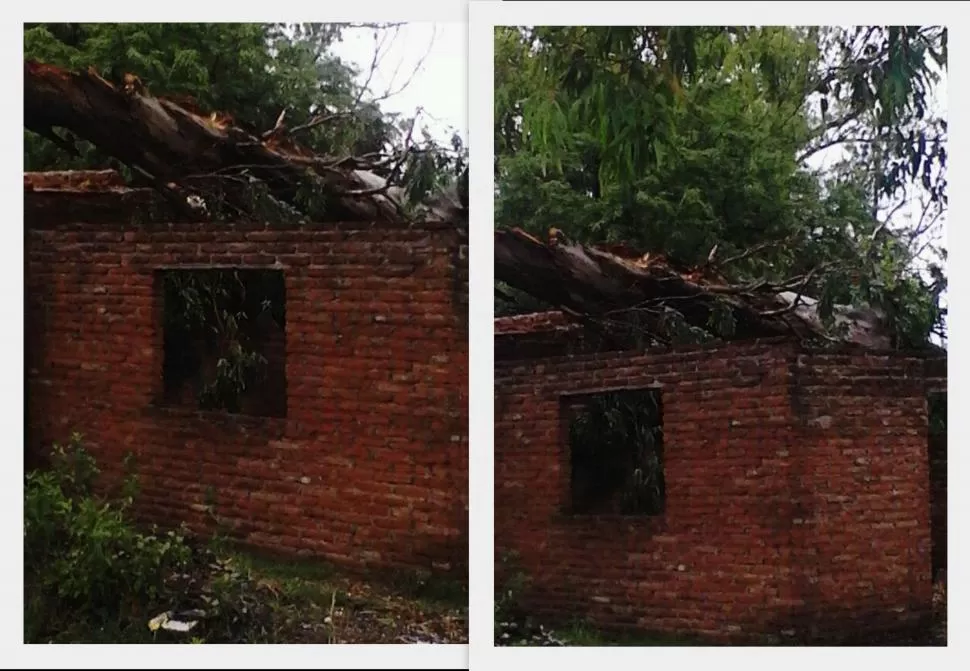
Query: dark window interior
[(225, 340), (616, 452)]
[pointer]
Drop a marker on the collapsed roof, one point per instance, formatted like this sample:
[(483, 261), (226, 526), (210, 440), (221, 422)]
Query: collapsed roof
[(604, 289), (180, 151)]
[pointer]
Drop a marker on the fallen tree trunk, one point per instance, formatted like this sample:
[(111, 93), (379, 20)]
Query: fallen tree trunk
[(174, 147), (596, 285)]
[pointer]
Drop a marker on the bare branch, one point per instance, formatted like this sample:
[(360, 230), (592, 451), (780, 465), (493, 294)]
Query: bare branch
[(798, 296), (312, 123), (881, 227), (414, 71), (751, 251), (373, 68), (924, 224), (841, 139), (279, 120), (376, 26), (394, 170)]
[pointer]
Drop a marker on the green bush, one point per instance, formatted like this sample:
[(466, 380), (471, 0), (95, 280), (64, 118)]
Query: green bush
[(84, 560)]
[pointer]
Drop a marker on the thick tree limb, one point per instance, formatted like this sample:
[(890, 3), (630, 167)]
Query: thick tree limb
[(171, 144), (599, 285)]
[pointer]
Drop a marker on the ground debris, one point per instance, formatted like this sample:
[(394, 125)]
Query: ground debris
[(239, 599), (175, 622), (512, 633)]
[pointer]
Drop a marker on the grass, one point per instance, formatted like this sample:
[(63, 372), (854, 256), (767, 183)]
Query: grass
[(317, 602), (314, 577), (78, 631), (94, 577), (281, 600), (314, 601), (581, 633)]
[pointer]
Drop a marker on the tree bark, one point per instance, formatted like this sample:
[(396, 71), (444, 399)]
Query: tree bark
[(594, 284), (173, 146)]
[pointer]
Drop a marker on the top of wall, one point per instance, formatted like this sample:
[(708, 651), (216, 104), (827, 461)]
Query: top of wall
[(58, 199), (75, 181), (534, 322), (554, 334)]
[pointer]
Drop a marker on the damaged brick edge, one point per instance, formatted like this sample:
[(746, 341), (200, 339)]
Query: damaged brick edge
[(104, 196), (559, 324)]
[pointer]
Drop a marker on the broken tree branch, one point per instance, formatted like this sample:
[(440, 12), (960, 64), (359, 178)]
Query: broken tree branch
[(798, 296), (600, 286), (751, 251), (170, 143)]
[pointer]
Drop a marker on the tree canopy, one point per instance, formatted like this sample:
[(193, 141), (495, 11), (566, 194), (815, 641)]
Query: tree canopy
[(769, 153)]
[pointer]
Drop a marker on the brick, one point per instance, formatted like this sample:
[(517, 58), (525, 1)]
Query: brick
[(784, 500), (357, 391)]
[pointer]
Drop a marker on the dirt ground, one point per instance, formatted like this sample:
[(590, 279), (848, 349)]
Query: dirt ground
[(228, 596), (309, 602)]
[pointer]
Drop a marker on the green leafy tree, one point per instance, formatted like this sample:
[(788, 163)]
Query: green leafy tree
[(252, 71), (695, 142)]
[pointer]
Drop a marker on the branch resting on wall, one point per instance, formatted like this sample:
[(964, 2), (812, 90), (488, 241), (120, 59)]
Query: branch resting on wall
[(171, 146), (598, 285)]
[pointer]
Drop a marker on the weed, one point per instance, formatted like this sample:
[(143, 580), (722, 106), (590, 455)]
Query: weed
[(435, 591), (83, 559)]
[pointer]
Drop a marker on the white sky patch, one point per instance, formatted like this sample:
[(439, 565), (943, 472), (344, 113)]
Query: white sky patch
[(909, 215), (936, 107), (438, 86)]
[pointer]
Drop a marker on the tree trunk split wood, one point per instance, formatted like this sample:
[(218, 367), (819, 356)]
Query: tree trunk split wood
[(600, 286), (172, 145)]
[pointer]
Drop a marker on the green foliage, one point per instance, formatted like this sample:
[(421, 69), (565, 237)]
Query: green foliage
[(677, 140), (239, 613), (888, 73), (236, 370), (253, 71), (91, 576), (584, 633), (83, 557), (215, 309), (719, 166), (616, 446)]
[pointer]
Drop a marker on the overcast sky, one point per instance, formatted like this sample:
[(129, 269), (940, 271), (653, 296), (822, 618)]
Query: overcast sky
[(909, 216), (439, 86), (937, 103)]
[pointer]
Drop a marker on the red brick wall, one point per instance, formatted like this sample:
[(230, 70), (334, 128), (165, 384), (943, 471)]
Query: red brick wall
[(938, 461), (369, 465), (797, 494), (936, 384)]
